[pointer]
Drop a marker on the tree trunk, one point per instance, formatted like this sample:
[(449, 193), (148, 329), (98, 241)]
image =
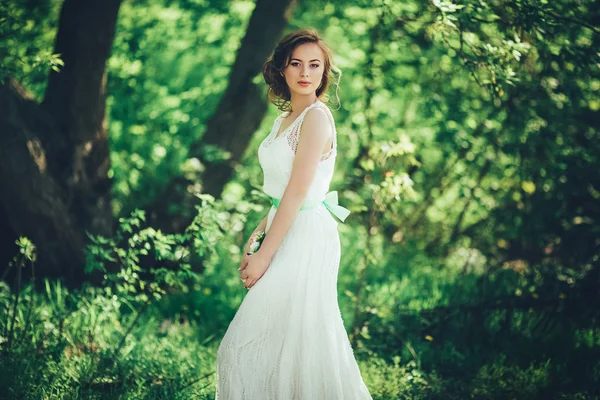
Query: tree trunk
[(33, 202), (54, 184), (75, 98), (236, 118)]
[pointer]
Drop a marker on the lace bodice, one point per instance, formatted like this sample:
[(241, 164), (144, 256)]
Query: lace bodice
[(276, 156)]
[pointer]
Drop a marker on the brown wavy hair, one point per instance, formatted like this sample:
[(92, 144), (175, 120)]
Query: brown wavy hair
[(278, 91)]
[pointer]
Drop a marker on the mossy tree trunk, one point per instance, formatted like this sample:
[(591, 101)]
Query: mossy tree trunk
[(54, 156)]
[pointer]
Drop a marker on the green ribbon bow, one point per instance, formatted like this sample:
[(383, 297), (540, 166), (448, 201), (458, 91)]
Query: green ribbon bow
[(330, 202)]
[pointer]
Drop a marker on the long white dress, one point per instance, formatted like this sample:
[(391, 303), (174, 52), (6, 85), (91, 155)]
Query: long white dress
[(287, 340)]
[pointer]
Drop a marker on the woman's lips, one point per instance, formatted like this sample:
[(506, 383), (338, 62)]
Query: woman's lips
[(304, 84)]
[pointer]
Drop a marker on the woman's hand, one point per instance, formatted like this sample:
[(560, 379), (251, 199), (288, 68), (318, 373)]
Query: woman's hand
[(253, 268)]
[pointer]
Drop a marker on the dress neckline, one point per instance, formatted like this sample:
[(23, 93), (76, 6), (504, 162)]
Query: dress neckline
[(278, 134)]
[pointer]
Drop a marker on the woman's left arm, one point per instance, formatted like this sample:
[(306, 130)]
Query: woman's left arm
[(315, 133)]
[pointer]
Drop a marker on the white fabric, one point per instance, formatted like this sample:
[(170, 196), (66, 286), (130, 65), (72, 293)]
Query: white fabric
[(287, 340)]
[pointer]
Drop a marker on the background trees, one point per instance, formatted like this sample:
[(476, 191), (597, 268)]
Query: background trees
[(469, 141), (55, 161)]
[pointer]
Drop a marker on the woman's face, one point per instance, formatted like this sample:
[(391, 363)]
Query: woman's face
[(304, 72)]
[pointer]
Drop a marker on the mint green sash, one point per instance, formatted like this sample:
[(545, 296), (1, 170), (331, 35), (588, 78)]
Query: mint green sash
[(331, 202)]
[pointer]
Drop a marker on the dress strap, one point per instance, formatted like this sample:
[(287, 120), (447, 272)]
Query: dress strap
[(293, 136), (333, 131)]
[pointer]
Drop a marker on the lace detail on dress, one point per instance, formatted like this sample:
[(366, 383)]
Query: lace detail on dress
[(294, 136), (292, 132)]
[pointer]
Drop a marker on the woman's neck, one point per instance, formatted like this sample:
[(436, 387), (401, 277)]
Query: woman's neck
[(299, 103)]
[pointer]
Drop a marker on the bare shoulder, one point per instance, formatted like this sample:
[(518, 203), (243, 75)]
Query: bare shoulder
[(317, 120)]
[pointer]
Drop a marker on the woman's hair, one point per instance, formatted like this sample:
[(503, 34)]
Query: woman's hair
[(278, 91)]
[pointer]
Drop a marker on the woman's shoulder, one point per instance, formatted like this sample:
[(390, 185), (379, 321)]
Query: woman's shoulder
[(321, 111), (319, 117)]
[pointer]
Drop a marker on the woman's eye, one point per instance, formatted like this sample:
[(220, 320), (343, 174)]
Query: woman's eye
[(295, 64)]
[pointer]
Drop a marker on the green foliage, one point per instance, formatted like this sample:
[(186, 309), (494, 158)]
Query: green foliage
[(168, 69), (26, 42), (66, 350), (27, 250), (505, 381), (111, 339), (392, 380), (132, 243), (468, 146)]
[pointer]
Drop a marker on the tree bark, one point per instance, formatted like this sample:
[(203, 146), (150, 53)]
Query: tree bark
[(236, 118), (54, 184), (75, 98), (33, 202)]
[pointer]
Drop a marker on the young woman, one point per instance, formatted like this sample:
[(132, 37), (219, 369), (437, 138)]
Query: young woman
[(287, 340)]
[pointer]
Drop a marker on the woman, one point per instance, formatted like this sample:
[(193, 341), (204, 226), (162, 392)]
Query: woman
[(287, 340)]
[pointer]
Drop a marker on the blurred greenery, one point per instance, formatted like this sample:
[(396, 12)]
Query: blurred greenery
[(469, 155)]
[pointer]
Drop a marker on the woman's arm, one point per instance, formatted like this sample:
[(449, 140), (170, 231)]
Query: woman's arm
[(315, 133)]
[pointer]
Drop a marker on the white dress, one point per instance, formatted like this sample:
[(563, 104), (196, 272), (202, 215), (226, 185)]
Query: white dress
[(287, 340)]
